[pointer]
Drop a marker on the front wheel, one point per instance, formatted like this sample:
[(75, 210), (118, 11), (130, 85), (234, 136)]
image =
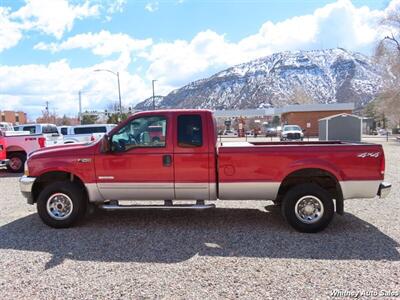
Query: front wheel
[(308, 208), (61, 204)]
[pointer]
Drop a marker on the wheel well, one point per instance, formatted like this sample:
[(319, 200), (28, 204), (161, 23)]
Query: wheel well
[(14, 150), (42, 181), (323, 178)]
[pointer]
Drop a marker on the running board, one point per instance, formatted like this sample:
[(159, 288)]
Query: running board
[(164, 207)]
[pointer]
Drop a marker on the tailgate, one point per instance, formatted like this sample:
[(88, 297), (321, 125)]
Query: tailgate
[(53, 139)]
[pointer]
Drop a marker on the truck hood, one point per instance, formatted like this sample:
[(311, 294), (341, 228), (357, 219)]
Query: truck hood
[(65, 150)]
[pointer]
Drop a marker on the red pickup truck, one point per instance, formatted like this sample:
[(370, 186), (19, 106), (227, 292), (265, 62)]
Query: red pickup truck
[(3, 154), (309, 180)]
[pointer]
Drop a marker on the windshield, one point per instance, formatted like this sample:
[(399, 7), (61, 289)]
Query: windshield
[(291, 128)]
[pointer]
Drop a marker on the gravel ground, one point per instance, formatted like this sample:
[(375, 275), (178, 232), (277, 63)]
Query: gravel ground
[(239, 250)]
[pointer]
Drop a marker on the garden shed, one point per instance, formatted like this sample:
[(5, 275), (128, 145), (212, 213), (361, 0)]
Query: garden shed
[(341, 127)]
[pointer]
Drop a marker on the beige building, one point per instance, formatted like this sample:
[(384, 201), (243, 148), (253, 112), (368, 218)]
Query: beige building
[(15, 117)]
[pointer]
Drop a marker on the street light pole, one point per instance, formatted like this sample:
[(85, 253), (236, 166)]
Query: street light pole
[(154, 101), (80, 107), (119, 94), (119, 86)]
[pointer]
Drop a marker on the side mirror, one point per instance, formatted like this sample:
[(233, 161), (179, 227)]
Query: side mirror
[(105, 144)]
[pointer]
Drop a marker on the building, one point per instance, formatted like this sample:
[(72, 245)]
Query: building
[(342, 127), (15, 117), (307, 116)]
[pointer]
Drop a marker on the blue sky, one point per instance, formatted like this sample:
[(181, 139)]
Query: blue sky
[(49, 49)]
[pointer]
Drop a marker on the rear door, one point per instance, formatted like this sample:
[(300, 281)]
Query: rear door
[(191, 157), (138, 167)]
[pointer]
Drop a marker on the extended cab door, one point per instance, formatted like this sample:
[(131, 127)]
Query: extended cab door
[(140, 165), (191, 156)]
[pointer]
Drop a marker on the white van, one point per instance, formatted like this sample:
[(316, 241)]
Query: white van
[(84, 133)]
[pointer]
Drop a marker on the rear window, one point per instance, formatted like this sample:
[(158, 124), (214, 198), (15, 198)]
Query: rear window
[(89, 130), (189, 131), (50, 129)]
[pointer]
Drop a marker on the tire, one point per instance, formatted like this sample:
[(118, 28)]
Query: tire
[(16, 163), (305, 220), (67, 194)]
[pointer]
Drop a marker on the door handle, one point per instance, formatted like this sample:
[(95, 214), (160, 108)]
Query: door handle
[(167, 160)]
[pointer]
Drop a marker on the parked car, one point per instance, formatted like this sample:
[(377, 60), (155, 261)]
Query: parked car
[(291, 133), (4, 126), (84, 133), (309, 180), (229, 132), (271, 132), (49, 131)]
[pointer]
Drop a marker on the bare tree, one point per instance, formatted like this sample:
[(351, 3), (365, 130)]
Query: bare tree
[(388, 55)]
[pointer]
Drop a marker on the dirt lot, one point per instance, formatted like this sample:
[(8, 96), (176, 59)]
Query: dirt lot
[(239, 250)]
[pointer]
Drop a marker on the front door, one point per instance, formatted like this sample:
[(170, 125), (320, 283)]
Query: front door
[(140, 165)]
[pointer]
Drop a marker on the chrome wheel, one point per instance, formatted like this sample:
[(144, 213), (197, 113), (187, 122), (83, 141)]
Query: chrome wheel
[(309, 209), (59, 206), (15, 163)]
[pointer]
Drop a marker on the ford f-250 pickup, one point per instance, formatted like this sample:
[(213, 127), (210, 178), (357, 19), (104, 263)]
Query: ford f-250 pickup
[(309, 180)]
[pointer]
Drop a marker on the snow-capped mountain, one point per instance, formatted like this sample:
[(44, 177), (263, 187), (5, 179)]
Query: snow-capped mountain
[(322, 76)]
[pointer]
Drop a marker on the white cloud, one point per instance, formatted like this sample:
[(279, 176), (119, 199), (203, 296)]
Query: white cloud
[(52, 17), (102, 43), (28, 87), (10, 33), (116, 6), (151, 6)]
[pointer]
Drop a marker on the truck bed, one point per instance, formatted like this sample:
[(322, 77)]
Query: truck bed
[(260, 167)]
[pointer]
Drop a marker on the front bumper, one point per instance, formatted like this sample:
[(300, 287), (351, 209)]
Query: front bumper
[(26, 185), (384, 189)]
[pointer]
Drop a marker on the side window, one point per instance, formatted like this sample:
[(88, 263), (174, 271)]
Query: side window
[(64, 131), (145, 132), (190, 132), (31, 129), (89, 130)]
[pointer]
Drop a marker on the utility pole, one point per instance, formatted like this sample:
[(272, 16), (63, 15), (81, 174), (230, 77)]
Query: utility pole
[(80, 107), (154, 100)]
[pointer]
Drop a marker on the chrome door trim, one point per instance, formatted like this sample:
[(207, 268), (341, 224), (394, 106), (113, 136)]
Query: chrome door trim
[(136, 191)]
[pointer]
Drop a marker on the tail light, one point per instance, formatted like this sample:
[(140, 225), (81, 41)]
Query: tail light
[(42, 142), (383, 164)]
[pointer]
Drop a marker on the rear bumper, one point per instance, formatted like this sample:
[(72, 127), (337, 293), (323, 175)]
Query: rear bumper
[(384, 189), (4, 163), (26, 185)]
